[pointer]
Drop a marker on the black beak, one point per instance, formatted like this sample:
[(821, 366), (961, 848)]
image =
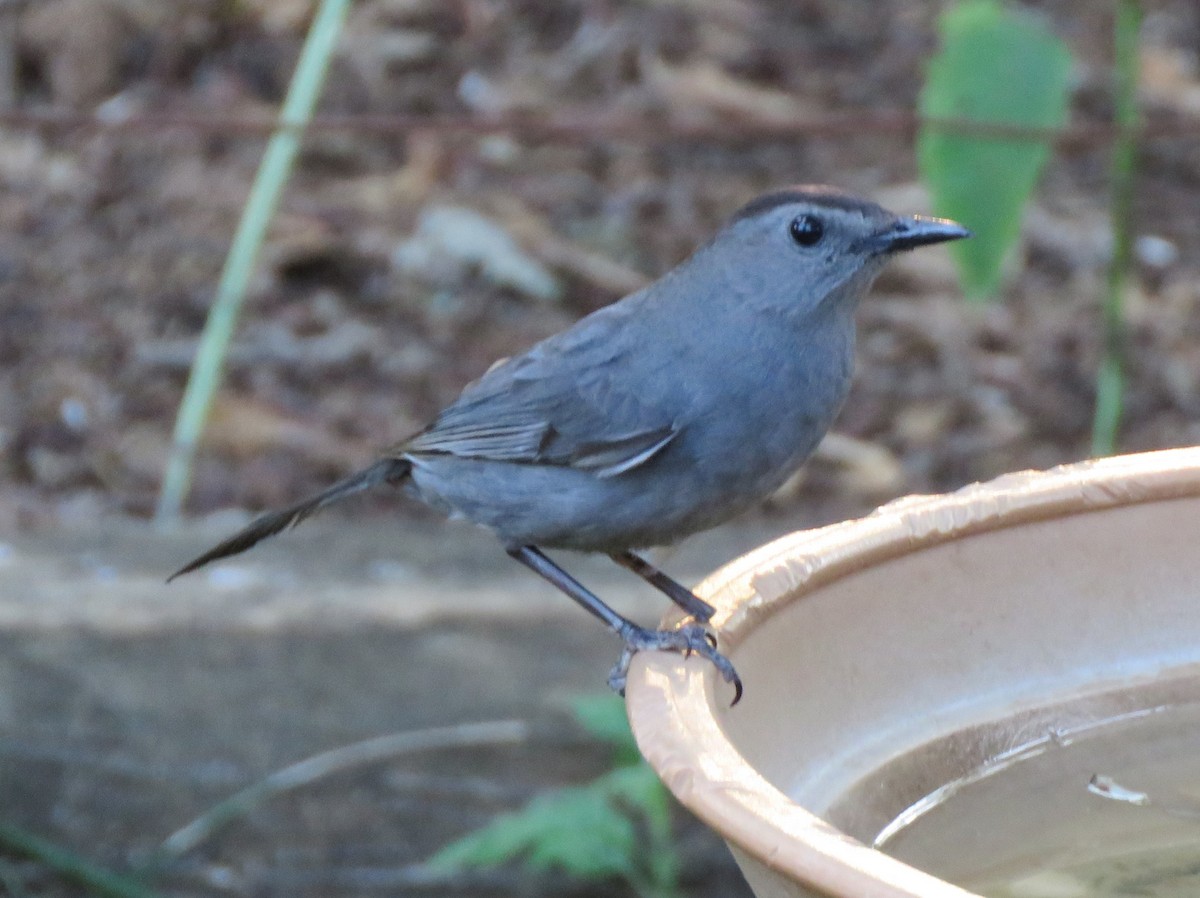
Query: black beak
[(918, 230)]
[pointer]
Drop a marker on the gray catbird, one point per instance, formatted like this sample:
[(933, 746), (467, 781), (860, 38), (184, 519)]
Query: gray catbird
[(660, 415)]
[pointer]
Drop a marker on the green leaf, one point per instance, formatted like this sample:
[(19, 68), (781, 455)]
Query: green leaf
[(603, 717), (615, 827), (995, 66), (90, 876), (578, 830)]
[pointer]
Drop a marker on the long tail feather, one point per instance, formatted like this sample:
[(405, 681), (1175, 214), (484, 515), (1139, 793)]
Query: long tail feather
[(386, 470)]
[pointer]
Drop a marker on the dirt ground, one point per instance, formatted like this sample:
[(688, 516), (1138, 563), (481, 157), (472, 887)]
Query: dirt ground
[(128, 709)]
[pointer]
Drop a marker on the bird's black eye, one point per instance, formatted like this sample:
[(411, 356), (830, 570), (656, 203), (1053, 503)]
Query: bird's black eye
[(807, 230)]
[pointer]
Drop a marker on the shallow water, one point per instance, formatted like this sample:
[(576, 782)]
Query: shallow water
[(1166, 873), (1096, 800)]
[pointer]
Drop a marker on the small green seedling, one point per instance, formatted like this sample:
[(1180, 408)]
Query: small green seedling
[(617, 827)]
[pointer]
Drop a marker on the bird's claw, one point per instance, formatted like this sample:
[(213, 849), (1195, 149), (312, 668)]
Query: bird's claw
[(685, 640)]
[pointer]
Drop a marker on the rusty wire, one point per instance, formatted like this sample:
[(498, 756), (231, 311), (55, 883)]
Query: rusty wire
[(588, 126)]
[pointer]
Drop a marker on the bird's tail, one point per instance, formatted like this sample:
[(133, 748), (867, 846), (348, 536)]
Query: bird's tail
[(386, 470)]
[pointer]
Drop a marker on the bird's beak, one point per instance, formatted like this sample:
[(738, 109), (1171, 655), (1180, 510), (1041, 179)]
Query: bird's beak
[(918, 230)]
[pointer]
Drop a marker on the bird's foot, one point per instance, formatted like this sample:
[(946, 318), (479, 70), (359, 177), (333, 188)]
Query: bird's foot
[(686, 639)]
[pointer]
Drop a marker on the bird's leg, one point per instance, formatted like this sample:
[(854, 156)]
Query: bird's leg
[(685, 640), (676, 592)]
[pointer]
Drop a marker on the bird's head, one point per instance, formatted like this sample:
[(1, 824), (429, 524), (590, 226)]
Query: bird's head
[(811, 243)]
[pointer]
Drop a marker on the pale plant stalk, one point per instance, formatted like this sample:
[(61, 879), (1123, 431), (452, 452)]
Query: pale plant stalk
[(273, 173)]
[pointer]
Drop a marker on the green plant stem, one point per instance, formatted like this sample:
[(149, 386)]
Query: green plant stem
[(1110, 382), (273, 173), (662, 854), (71, 866)]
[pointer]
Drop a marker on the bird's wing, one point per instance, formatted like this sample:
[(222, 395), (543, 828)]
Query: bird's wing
[(539, 442), (562, 403)]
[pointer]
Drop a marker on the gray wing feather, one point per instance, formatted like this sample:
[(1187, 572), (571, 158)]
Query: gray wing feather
[(608, 459), (557, 404), (502, 442)]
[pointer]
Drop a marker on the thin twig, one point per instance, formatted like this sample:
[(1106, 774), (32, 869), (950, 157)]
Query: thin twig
[(309, 770)]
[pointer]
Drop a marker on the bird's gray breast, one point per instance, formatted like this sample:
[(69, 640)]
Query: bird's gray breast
[(761, 412)]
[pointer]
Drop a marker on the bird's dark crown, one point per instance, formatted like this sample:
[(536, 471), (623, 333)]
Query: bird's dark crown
[(813, 194)]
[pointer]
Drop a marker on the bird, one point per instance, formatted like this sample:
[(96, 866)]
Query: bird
[(660, 415)]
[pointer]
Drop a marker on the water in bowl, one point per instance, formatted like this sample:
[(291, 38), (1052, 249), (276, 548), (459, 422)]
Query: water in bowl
[(1099, 798)]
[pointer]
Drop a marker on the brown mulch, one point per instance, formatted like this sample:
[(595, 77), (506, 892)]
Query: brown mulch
[(111, 240)]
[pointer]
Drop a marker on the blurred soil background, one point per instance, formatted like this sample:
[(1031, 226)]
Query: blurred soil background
[(401, 263)]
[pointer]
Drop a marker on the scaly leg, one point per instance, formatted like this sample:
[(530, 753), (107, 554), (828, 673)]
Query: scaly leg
[(687, 639), (676, 592)]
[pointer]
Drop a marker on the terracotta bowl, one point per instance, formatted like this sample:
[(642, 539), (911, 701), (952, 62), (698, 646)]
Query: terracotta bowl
[(930, 644)]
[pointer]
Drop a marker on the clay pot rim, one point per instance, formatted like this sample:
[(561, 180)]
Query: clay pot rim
[(675, 705)]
